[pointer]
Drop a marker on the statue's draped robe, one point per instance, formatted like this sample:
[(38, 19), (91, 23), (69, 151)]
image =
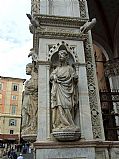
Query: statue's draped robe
[(30, 106), (63, 96)]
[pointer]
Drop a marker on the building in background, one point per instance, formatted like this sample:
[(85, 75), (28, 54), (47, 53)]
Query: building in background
[(10, 109)]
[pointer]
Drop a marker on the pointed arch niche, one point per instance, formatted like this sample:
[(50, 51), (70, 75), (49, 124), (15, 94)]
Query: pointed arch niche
[(48, 60), (53, 54)]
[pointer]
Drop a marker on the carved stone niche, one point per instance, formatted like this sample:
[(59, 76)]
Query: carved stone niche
[(63, 114)]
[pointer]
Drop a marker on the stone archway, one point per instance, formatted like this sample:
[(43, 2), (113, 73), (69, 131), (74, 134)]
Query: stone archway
[(107, 105)]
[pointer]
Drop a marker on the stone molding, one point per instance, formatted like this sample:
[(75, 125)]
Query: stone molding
[(76, 144), (59, 27), (43, 62), (60, 20), (52, 27)]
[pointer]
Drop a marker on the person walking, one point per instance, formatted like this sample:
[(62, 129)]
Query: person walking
[(20, 156)]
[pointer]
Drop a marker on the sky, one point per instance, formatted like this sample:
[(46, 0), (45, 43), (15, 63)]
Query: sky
[(15, 38)]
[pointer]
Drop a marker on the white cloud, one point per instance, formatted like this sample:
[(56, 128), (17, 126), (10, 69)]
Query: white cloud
[(15, 37)]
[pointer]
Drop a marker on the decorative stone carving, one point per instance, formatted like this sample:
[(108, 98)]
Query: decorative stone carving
[(64, 99), (112, 68), (35, 7), (95, 115), (75, 23), (69, 28), (33, 21), (82, 5), (30, 102)]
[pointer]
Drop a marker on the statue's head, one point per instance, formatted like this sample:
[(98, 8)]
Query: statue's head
[(63, 55), (29, 67)]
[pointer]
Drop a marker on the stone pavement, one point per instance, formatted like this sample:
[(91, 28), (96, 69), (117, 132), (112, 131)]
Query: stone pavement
[(26, 156)]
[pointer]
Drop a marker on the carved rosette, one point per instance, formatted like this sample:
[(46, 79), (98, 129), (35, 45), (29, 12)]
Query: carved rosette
[(112, 68), (95, 115)]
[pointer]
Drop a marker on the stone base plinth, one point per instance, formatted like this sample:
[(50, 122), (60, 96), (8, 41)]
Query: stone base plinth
[(67, 136), (29, 137), (76, 150)]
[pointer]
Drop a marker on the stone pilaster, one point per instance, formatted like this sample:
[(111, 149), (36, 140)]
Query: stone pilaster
[(83, 7), (95, 107), (35, 7)]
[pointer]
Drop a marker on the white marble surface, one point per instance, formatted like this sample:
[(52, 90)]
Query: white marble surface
[(60, 7), (84, 121), (66, 153)]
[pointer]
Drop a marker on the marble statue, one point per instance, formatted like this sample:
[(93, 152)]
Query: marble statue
[(87, 26), (30, 102), (33, 21), (64, 96)]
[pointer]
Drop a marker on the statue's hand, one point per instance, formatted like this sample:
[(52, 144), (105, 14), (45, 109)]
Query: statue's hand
[(53, 78)]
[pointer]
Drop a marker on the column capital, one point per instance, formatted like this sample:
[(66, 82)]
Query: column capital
[(112, 68)]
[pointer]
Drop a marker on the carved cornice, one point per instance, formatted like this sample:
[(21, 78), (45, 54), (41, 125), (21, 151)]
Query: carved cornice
[(59, 27), (60, 21), (112, 68), (43, 62)]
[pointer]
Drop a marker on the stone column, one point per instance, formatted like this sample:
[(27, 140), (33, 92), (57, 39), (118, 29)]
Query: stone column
[(43, 102)]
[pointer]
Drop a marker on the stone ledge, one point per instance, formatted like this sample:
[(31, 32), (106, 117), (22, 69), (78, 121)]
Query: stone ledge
[(76, 144)]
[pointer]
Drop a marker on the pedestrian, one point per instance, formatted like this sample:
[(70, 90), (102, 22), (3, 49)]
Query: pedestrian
[(20, 156), (8, 154), (14, 155)]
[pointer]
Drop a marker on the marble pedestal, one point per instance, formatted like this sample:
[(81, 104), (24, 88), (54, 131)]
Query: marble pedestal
[(64, 150)]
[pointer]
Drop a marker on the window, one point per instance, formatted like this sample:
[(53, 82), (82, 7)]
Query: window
[(12, 122), (14, 97), (11, 131), (1, 86), (14, 87), (13, 111)]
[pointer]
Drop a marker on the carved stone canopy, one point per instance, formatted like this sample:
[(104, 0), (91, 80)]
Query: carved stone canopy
[(53, 53)]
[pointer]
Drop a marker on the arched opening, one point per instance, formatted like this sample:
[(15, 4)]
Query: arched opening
[(105, 95)]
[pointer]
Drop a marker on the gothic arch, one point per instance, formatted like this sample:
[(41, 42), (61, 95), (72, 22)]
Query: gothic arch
[(101, 43), (102, 49), (53, 53)]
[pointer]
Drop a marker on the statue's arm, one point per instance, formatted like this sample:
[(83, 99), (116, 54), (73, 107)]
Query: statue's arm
[(74, 75), (53, 76)]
